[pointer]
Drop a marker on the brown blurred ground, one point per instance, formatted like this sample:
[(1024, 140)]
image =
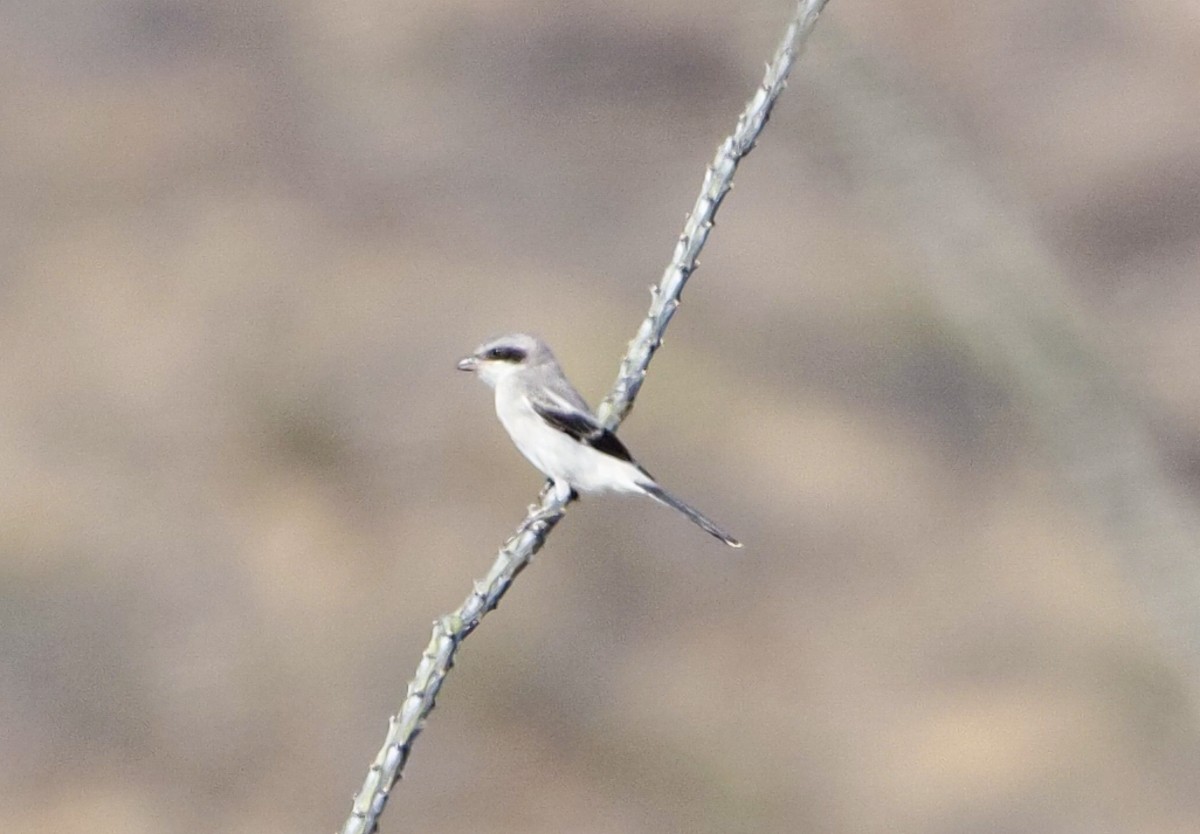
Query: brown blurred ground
[(245, 242)]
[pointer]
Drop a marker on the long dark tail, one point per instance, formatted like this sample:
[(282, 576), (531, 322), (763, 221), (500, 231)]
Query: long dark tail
[(663, 497)]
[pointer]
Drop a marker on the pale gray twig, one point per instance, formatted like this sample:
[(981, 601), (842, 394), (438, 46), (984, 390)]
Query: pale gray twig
[(717, 182), (452, 629)]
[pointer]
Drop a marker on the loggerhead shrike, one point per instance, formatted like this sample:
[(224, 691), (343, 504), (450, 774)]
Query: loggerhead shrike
[(553, 427)]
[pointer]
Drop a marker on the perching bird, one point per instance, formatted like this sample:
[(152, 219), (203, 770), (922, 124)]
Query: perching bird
[(553, 427)]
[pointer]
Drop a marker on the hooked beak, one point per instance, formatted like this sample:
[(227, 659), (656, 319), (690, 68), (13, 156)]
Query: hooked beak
[(468, 363)]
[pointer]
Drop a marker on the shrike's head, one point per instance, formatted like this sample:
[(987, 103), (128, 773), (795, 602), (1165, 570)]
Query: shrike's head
[(501, 357)]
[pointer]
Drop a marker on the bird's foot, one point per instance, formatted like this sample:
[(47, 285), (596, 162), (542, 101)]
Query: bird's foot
[(562, 491)]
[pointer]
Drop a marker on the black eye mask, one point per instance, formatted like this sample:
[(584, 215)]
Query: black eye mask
[(505, 354)]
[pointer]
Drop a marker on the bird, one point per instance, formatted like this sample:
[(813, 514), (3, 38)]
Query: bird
[(553, 427)]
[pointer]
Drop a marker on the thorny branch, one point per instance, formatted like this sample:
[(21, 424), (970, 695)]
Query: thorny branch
[(449, 631)]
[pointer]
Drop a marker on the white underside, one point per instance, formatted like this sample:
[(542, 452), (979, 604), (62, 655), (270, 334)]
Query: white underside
[(559, 456)]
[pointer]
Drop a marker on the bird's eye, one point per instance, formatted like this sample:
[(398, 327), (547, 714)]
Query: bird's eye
[(505, 354)]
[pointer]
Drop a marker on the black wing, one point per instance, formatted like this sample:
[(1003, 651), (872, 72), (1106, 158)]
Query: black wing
[(584, 428)]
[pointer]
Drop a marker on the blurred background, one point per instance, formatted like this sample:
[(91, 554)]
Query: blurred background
[(938, 371)]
